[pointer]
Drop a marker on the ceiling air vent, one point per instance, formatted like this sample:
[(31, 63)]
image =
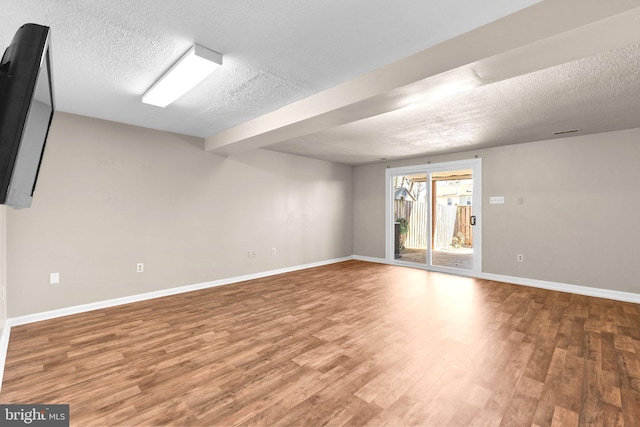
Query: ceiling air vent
[(562, 132)]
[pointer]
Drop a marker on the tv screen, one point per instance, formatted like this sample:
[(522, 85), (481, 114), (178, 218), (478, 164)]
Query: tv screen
[(26, 110)]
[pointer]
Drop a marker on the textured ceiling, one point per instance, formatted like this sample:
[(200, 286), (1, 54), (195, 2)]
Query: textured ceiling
[(594, 94), (107, 53), (351, 82)]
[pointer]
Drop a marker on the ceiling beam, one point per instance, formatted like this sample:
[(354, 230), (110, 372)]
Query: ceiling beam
[(382, 90)]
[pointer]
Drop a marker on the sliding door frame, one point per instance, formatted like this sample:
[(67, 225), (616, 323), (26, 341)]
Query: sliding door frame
[(429, 169)]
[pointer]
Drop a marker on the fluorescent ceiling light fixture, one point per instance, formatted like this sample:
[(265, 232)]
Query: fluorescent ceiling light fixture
[(184, 75)]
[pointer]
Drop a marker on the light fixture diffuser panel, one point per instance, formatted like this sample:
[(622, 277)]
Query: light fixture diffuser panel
[(193, 67)]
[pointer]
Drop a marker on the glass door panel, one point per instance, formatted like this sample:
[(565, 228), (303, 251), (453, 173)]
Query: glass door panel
[(452, 211), (433, 216), (410, 217)]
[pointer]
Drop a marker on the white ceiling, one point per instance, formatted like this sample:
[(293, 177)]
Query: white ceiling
[(594, 94), (351, 82)]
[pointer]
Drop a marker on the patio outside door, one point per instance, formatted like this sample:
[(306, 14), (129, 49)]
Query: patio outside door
[(433, 216), (411, 217), (452, 219)]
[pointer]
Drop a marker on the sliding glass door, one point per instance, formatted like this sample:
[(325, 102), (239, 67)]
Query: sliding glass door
[(433, 216), (452, 217), (410, 217)]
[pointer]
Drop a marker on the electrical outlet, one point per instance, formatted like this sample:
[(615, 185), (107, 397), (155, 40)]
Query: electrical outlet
[(520, 258), (273, 251), (54, 278), (496, 200), (140, 267)]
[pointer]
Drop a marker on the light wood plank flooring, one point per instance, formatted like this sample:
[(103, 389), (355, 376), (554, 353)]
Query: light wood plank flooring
[(440, 258), (353, 343)]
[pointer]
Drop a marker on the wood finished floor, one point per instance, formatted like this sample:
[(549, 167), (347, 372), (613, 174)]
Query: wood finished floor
[(440, 258), (353, 343)]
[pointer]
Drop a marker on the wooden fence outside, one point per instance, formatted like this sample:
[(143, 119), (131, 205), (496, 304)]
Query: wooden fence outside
[(463, 224), (418, 226), (452, 220)]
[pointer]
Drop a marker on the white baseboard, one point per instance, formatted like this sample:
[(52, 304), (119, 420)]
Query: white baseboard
[(52, 314), (553, 286), (564, 287), (36, 317), (370, 259), (4, 346)]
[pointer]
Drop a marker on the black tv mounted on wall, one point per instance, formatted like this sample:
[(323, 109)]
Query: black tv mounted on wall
[(26, 110)]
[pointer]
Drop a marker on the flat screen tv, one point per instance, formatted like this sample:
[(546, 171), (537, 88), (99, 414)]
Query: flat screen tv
[(26, 110)]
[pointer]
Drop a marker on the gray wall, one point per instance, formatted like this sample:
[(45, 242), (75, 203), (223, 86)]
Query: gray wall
[(112, 195), (578, 222)]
